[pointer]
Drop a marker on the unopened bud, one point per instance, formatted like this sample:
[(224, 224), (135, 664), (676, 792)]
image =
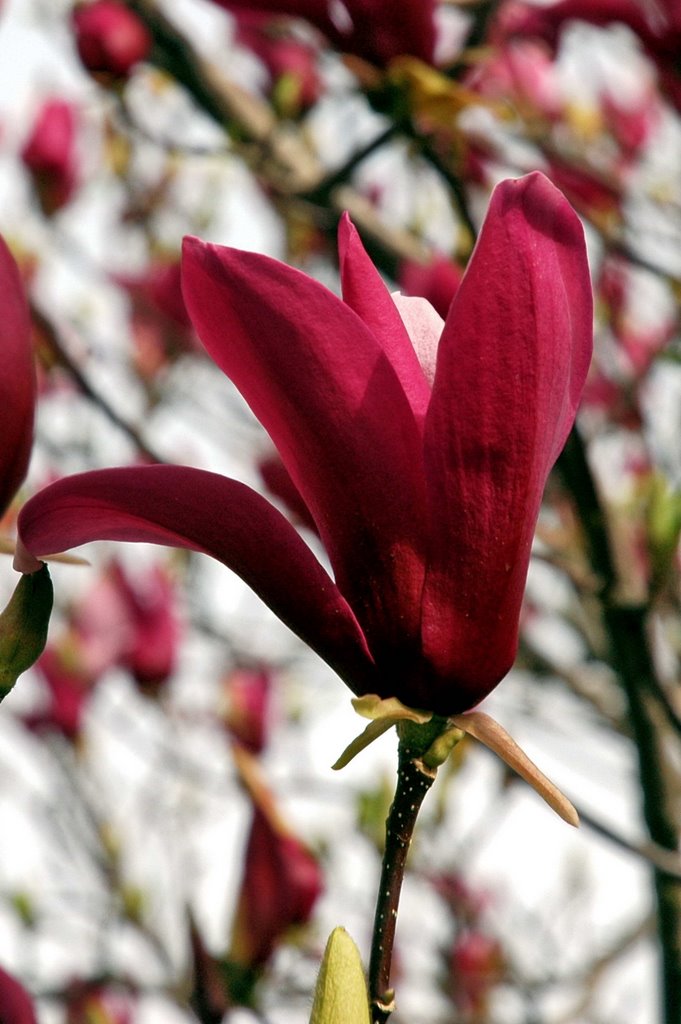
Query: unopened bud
[(341, 992)]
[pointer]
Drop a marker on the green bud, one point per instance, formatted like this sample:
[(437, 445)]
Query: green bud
[(442, 746), (23, 627), (341, 992), (22, 903)]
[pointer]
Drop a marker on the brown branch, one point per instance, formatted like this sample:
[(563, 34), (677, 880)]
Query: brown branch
[(413, 782)]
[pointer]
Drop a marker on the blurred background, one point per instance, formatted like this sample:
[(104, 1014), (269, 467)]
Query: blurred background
[(173, 843)]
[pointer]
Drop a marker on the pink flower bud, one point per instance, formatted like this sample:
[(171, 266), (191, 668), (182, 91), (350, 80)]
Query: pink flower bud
[(66, 696), (477, 966), (248, 698), (49, 154), (150, 653), (295, 84), (437, 281), (110, 38), (281, 883)]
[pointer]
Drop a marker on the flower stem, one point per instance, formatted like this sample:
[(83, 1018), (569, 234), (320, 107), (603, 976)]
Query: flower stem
[(414, 780)]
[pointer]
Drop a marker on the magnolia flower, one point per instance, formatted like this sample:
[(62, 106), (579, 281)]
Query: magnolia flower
[(420, 449)]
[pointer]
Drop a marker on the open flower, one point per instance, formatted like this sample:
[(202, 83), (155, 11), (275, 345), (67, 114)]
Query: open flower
[(421, 449)]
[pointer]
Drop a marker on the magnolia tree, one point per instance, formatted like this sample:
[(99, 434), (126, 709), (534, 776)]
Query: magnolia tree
[(377, 306)]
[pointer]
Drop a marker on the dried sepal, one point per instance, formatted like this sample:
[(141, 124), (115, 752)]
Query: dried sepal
[(483, 728)]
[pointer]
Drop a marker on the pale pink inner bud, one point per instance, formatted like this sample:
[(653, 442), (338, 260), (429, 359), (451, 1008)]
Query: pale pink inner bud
[(424, 327)]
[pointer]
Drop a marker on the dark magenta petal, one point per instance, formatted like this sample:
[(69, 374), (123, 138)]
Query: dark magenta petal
[(15, 1003), (372, 29), (365, 292), (17, 380), (191, 508), (379, 32), (511, 366), (324, 389)]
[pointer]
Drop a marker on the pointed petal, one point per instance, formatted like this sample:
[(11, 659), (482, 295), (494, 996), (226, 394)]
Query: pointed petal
[(17, 380), (511, 366), (191, 508), (365, 292), (321, 385)]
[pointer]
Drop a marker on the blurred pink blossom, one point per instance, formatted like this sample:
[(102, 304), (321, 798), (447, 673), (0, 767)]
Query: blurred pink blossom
[(49, 154), (16, 1006), (281, 884), (110, 37)]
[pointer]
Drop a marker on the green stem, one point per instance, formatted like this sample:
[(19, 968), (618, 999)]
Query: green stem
[(414, 780)]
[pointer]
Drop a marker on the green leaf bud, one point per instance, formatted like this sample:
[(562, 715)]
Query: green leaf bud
[(23, 627), (341, 992)]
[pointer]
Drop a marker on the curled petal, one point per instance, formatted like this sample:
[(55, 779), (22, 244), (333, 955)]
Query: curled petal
[(191, 508), (511, 366)]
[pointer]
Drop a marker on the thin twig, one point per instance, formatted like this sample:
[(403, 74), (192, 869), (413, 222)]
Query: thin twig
[(54, 342)]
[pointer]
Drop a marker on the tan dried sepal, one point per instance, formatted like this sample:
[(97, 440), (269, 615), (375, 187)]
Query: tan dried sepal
[(483, 728)]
